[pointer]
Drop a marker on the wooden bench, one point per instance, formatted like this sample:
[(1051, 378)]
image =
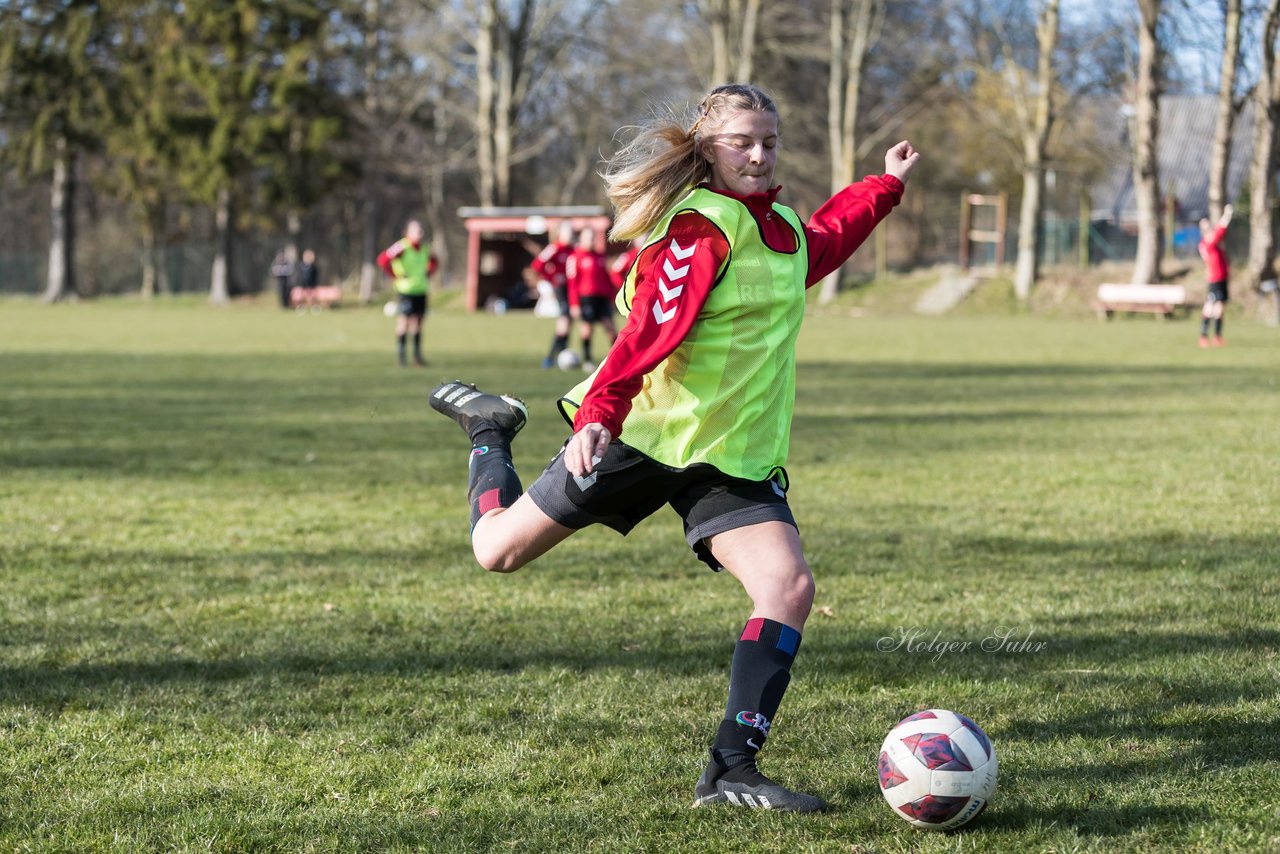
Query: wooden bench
[(325, 295), (1162, 300)]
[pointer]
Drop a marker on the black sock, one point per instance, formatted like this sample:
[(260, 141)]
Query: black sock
[(491, 478), (417, 346), (400, 347), (586, 349), (1217, 327), (557, 344), (1204, 327), (758, 678)]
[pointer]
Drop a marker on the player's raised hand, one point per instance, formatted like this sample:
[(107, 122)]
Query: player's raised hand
[(901, 160)]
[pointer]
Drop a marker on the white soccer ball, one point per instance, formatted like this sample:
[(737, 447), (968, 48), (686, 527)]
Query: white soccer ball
[(568, 360), (390, 308), (937, 769)]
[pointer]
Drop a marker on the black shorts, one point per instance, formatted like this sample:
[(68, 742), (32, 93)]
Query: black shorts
[(596, 309), (413, 304), (1217, 292), (627, 487), (562, 299)]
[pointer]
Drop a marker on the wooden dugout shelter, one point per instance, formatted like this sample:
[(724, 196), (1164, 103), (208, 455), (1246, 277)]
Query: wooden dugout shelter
[(497, 239)]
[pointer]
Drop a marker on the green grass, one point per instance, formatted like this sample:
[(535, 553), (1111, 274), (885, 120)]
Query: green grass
[(238, 609)]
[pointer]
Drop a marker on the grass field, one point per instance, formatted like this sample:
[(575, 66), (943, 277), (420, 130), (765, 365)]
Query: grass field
[(238, 609)]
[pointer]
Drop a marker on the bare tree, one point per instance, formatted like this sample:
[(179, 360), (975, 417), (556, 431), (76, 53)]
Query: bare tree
[(1146, 122), (1266, 109), (854, 28), (1034, 106), (733, 25), (1227, 109), (513, 47)]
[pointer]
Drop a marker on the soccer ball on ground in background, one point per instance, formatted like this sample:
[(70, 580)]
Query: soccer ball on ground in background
[(568, 360), (937, 769), (390, 308)]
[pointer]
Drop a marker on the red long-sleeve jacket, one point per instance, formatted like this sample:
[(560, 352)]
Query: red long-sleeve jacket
[(619, 266), (1215, 258), (832, 234), (550, 263), (588, 276)]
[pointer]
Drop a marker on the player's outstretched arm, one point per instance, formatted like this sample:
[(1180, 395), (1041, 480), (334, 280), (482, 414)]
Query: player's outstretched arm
[(1225, 219)]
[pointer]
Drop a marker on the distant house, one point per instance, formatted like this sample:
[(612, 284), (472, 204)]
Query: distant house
[(1187, 125)]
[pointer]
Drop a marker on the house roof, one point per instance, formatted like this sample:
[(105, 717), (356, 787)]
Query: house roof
[(1185, 144)]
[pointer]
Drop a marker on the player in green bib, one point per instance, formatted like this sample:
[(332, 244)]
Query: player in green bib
[(692, 407), (410, 265)]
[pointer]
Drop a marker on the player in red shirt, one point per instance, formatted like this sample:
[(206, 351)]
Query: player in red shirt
[(591, 292), (1216, 270), (620, 265), (550, 265)]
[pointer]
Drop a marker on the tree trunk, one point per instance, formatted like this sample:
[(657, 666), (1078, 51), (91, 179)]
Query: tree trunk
[(1035, 138), (503, 117), (844, 88), (1266, 108), (293, 229), (149, 277), (747, 41), (219, 290), (732, 25), (1146, 122), (372, 108), (1226, 112), (61, 282), (368, 266), (719, 24), (485, 98), (1027, 267)]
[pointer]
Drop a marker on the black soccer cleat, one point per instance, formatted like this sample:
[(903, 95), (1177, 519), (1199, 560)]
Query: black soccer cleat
[(476, 411), (750, 788)]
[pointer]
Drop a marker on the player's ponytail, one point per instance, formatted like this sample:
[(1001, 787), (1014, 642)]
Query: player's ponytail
[(648, 174)]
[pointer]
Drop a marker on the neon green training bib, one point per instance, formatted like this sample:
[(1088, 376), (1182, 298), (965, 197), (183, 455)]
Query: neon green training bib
[(410, 267), (725, 396)]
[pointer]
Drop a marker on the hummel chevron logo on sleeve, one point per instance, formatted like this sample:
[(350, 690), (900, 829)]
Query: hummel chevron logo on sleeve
[(669, 293), (674, 272), (680, 252)]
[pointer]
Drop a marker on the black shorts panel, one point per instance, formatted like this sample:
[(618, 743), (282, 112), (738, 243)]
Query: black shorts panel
[(627, 487), (622, 490), (710, 509), (596, 309), (413, 304), (1217, 292)]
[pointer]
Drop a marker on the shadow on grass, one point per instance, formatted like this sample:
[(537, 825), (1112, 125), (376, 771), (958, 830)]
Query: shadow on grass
[(171, 414)]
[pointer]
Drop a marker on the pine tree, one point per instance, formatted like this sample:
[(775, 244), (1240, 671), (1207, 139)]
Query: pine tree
[(54, 73)]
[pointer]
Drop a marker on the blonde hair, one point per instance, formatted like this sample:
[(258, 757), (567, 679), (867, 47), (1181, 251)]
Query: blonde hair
[(648, 174)]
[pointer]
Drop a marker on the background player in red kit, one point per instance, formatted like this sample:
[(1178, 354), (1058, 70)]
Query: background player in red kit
[(591, 292), (1217, 271), (550, 266), (620, 265)]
